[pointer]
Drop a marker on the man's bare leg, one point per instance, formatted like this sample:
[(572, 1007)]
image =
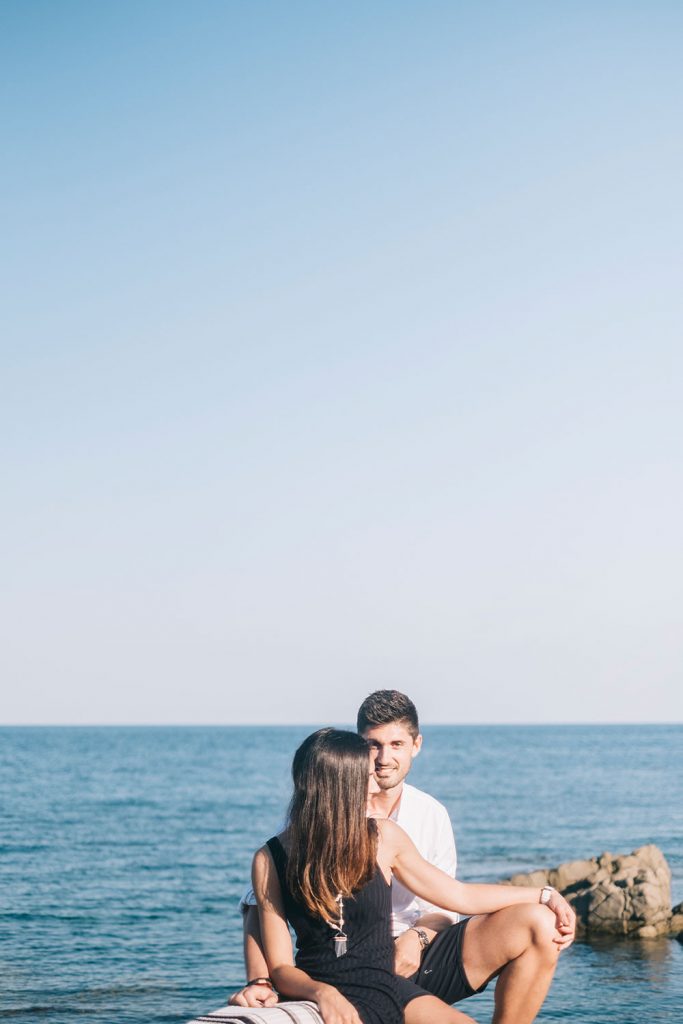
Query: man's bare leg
[(517, 945), (431, 1010)]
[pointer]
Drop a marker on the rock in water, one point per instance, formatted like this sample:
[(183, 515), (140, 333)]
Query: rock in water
[(628, 894), (677, 922)]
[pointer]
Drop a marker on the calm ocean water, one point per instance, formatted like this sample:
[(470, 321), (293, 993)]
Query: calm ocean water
[(123, 852)]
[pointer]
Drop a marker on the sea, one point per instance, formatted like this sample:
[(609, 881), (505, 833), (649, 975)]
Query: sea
[(124, 851)]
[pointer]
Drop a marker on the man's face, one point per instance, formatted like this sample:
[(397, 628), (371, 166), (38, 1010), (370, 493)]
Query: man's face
[(393, 749)]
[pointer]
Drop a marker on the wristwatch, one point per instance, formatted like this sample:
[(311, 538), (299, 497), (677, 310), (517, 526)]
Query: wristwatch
[(546, 893), (422, 936)]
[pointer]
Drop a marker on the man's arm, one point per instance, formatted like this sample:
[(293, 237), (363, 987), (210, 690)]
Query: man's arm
[(442, 854), (409, 945), (254, 957), (255, 962)]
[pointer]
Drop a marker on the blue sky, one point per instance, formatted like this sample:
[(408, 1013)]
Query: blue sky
[(341, 351)]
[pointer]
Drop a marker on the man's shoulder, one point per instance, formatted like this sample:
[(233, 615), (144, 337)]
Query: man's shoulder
[(414, 800)]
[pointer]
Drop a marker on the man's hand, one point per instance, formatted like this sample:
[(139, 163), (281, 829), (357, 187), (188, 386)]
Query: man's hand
[(254, 996), (335, 1008), (408, 948), (407, 953), (565, 919)]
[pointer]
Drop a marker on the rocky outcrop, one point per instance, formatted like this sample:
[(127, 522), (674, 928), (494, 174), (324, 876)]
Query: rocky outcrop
[(676, 924), (628, 894)]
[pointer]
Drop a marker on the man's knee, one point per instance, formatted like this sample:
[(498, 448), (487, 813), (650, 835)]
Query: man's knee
[(540, 923), (494, 940)]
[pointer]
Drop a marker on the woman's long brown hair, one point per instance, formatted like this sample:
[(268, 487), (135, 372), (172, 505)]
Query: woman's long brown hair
[(332, 842)]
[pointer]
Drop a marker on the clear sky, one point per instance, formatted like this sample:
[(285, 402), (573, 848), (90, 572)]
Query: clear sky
[(341, 350)]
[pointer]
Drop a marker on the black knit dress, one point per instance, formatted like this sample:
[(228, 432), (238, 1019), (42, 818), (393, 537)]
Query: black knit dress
[(365, 973)]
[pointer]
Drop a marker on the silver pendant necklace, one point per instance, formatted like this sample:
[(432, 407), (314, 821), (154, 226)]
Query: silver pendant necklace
[(341, 937)]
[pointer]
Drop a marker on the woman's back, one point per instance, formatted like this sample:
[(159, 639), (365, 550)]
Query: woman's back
[(365, 972)]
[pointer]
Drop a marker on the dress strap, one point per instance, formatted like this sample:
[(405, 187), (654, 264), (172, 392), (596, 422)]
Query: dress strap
[(278, 854)]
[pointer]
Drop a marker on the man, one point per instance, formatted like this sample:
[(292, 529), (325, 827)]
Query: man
[(449, 959)]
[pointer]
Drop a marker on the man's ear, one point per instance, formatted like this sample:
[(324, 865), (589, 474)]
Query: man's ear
[(417, 745)]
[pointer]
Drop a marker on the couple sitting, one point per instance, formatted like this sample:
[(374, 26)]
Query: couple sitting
[(365, 855)]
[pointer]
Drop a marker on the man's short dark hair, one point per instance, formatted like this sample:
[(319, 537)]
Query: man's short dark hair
[(384, 707)]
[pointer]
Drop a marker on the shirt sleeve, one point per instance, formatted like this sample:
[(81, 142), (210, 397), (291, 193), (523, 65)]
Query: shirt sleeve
[(445, 854), (445, 857), (247, 900)]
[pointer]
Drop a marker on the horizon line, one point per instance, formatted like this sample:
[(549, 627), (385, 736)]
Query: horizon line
[(296, 725)]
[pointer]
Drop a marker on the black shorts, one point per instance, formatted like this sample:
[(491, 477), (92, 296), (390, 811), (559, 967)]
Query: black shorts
[(441, 970)]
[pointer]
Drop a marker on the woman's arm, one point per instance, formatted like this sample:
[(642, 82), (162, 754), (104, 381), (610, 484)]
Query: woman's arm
[(277, 946), (429, 883)]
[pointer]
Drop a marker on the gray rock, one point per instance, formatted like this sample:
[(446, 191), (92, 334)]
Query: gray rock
[(628, 894)]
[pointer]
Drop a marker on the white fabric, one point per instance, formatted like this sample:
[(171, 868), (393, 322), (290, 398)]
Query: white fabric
[(427, 823), (283, 1013), (247, 900)]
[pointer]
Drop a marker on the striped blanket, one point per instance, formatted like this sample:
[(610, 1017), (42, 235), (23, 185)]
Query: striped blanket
[(283, 1013)]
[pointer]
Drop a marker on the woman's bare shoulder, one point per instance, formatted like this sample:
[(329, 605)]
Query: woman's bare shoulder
[(265, 850), (264, 877), (262, 859), (391, 835)]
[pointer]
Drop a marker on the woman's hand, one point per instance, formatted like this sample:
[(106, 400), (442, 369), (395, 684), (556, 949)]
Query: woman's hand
[(334, 1008)]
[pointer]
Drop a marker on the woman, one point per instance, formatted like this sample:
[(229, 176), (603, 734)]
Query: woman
[(329, 874)]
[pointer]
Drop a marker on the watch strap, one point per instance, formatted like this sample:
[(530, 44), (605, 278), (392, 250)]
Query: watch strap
[(422, 935)]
